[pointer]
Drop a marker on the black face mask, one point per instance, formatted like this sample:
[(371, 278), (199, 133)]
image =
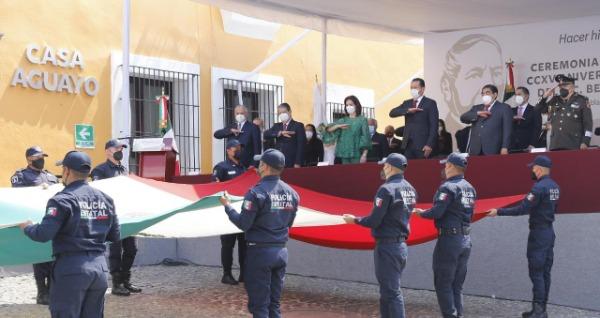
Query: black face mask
[(563, 92), (38, 163), (237, 155), (443, 174), (382, 175), (533, 176), (118, 155)]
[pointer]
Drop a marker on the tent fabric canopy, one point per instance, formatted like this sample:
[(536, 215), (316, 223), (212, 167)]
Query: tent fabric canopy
[(405, 21)]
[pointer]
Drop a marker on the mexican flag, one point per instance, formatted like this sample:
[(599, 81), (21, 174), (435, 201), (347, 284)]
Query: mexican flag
[(509, 88), (165, 127)]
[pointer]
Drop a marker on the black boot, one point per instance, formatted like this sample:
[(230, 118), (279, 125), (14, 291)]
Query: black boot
[(538, 310), (43, 295), (228, 279), (118, 289), (128, 285)]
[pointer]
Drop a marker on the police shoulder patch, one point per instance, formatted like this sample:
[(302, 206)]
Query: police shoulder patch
[(52, 211), (443, 196), (530, 197), (247, 205), (378, 202)]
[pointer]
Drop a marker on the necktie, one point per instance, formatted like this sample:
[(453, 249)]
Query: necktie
[(521, 110), (285, 127), (239, 126), (414, 105)]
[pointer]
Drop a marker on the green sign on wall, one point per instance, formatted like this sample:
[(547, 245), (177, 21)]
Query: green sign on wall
[(84, 136)]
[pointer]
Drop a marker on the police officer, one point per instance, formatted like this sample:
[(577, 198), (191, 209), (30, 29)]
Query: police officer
[(35, 175), (388, 221), (78, 220), (569, 114), (540, 204), (452, 212), (225, 171), (121, 253), (268, 211)]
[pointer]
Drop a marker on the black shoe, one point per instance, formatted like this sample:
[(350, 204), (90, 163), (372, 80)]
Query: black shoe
[(128, 285), (43, 298), (228, 280), (241, 278), (538, 310), (118, 289)]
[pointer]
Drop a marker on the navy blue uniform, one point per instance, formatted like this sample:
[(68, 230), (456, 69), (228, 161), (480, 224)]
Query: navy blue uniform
[(389, 225), (121, 253), (540, 204), (452, 211), (268, 211), (79, 220), (225, 171), (30, 178)]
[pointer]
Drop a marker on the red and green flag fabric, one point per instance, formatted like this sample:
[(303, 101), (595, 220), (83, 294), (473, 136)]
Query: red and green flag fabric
[(509, 88)]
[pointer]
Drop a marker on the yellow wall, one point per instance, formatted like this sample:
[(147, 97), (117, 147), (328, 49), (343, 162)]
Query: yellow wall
[(181, 30)]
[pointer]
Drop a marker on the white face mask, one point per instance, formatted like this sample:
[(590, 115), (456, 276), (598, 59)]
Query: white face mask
[(283, 117), (309, 135), (487, 99), (519, 99), (350, 109), (240, 118), (414, 93), (371, 129)]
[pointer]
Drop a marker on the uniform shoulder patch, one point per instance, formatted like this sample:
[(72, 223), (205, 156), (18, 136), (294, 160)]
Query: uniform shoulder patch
[(378, 202), (247, 205), (530, 197), (443, 196), (52, 211)]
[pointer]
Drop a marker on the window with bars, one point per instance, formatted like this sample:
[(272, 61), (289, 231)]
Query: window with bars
[(145, 86), (336, 111)]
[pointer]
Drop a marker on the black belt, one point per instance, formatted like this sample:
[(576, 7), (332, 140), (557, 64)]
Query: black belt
[(80, 253), (390, 240), (465, 230), (540, 226), (259, 244)]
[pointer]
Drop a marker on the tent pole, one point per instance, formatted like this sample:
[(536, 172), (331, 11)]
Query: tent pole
[(324, 70), (125, 121)]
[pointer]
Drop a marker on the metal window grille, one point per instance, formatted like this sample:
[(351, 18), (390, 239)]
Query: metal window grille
[(260, 99), (336, 111), (145, 85)]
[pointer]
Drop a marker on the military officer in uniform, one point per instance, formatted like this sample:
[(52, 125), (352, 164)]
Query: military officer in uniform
[(226, 170), (35, 175), (540, 204), (452, 212), (569, 114), (268, 211), (79, 220), (121, 253), (388, 221)]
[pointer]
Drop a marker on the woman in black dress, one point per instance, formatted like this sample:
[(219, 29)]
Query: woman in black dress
[(313, 152)]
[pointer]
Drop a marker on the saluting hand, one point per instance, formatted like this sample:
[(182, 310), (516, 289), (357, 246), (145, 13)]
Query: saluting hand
[(549, 92), (414, 110)]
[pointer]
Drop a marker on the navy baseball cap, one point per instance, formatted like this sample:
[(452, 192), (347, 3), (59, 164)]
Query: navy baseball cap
[(232, 143), (542, 161), (115, 143), (34, 151), (272, 157), (395, 160), (456, 159), (76, 160)]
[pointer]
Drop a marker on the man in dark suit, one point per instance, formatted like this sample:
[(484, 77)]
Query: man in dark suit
[(491, 124), (394, 144), (289, 135), (247, 133), (421, 122), (379, 145), (527, 123)]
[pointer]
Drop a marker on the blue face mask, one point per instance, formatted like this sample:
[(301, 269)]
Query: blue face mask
[(372, 130)]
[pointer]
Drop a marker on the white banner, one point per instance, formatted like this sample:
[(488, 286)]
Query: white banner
[(458, 64)]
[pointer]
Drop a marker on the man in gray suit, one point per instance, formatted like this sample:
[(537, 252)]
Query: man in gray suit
[(491, 124)]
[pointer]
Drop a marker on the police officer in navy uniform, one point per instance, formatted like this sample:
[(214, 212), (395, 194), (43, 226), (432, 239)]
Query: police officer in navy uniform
[(569, 114), (389, 225), (225, 171), (540, 204), (452, 212), (268, 211), (35, 175), (121, 253), (79, 220)]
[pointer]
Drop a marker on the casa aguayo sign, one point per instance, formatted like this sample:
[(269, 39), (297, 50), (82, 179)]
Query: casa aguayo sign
[(65, 78)]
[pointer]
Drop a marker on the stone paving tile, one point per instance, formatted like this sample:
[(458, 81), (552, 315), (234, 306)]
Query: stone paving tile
[(196, 291)]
